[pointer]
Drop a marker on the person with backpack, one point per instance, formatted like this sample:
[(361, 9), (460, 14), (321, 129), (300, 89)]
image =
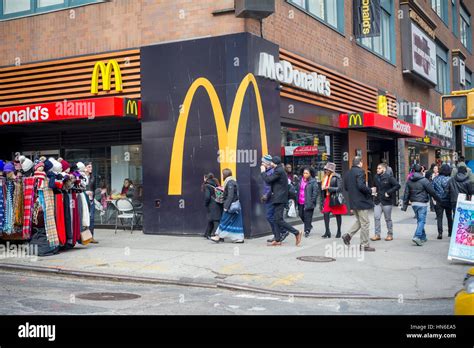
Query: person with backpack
[(279, 184), (213, 200), (440, 185), (307, 195), (460, 183), (231, 225)]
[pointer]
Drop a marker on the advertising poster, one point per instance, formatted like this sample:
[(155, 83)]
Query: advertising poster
[(462, 238)]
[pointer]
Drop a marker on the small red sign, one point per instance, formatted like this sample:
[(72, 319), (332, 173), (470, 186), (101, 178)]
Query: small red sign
[(306, 151)]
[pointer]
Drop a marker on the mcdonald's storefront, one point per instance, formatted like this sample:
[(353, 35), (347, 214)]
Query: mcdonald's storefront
[(79, 108)]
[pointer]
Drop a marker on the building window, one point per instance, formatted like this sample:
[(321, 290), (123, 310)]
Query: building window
[(454, 14), (442, 70), (383, 44), (330, 12), (19, 8), (441, 9), (468, 79), (465, 32)]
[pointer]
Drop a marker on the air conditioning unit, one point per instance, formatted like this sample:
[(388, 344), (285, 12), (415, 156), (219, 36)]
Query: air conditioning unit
[(257, 9)]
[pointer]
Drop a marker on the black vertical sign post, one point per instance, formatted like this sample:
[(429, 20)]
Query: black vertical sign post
[(366, 18)]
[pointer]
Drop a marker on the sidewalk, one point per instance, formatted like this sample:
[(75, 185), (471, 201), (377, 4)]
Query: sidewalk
[(397, 269)]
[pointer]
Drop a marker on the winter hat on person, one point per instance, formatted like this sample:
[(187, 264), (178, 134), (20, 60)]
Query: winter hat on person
[(65, 165), (330, 166), (2, 164), (9, 168), (26, 164), (81, 167), (276, 160), (267, 159), (48, 165)]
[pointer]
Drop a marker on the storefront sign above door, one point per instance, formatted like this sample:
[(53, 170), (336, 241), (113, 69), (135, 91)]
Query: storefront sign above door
[(432, 123), (70, 110), (284, 72)]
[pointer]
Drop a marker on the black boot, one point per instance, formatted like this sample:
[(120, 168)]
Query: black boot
[(440, 235), (326, 235), (338, 234)]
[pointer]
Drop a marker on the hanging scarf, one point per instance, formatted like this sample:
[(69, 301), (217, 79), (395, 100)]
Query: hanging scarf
[(60, 220), (29, 195), (327, 183), (47, 201), (76, 222), (2, 203), (8, 225), (85, 211), (18, 206)]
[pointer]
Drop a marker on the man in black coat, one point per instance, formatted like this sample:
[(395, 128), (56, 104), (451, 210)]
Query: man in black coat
[(279, 198), (360, 202)]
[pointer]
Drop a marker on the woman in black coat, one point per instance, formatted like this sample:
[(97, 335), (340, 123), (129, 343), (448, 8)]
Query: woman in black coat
[(331, 187), (214, 209), (460, 183), (306, 198)]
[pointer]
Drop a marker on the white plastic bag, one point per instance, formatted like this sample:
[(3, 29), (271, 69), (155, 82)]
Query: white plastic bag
[(292, 209)]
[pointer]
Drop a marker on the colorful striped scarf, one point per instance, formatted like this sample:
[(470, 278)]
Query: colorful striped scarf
[(2, 203), (18, 207), (46, 198), (8, 225), (29, 196)]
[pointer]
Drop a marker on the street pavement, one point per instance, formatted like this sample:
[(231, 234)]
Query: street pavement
[(45, 295), (396, 270)]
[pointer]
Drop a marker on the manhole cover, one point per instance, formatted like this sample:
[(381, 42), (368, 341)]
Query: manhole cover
[(108, 296), (315, 259)]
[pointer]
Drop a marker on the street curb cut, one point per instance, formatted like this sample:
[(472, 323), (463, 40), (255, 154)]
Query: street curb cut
[(189, 282)]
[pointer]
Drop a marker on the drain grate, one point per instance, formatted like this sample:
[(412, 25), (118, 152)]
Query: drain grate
[(108, 296), (315, 259)]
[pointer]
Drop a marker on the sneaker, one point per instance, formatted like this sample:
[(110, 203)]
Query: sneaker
[(367, 248), (389, 238), (346, 239), (424, 240), (271, 240), (375, 238), (306, 234), (284, 235), (417, 241)]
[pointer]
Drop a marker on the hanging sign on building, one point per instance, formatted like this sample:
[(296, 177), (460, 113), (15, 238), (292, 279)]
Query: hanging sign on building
[(366, 18), (432, 123), (284, 72)]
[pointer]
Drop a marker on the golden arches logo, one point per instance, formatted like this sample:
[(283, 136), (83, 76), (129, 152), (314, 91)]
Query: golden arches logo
[(355, 120), (132, 107), (226, 137), (106, 72)]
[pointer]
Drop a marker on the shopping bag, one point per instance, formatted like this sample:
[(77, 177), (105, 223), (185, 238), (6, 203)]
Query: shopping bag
[(86, 237), (292, 209)]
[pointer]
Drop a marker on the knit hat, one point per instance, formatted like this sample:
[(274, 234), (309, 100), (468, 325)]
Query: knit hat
[(26, 164), (2, 164), (38, 165), (81, 166), (9, 167), (48, 165), (65, 165), (267, 159), (330, 166), (276, 160), (57, 167)]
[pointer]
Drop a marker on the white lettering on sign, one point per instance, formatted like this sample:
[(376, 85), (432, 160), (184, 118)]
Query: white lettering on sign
[(284, 72), (25, 115), (432, 123), (401, 127)]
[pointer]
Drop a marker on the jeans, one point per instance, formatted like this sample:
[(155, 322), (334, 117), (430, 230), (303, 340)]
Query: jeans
[(270, 209), (420, 214), (211, 228), (387, 212), (363, 224), (280, 224), (439, 216), (306, 216)]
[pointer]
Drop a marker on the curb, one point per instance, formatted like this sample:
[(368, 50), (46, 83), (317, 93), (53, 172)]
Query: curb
[(189, 282)]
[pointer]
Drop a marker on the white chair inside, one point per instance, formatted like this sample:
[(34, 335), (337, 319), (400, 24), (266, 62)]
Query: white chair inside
[(125, 212)]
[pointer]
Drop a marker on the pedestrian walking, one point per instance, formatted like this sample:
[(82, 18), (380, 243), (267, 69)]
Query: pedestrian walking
[(460, 183), (389, 170), (90, 192), (307, 191), (440, 185), (231, 225), (279, 185), (213, 200), (332, 200), (462, 163), (360, 202), (418, 191), (385, 188)]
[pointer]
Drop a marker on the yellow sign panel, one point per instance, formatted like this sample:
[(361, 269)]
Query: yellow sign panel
[(226, 137), (106, 72), (382, 105)]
